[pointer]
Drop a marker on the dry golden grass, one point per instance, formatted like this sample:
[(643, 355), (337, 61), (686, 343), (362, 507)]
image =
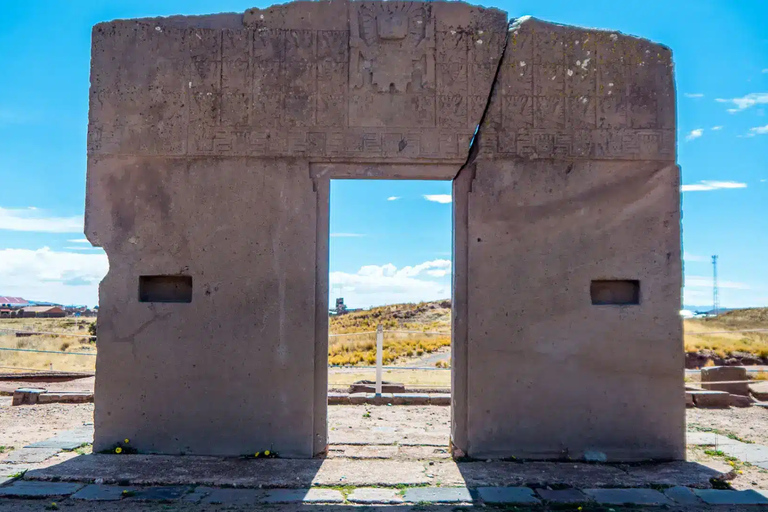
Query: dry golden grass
[(62, 344), (707, 333), (361, 349)]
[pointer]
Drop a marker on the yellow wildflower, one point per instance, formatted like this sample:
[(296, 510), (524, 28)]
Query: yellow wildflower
[(257, 454), (266, 453), (125, 441), (118, 450)]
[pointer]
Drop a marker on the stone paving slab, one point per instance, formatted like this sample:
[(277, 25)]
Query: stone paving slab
[(747, 452), (691, 474), (198, 494), (627, 496), (67, 440), (708, 439), (725, 497), (234, 496), (438, 495), (508, 495), (30, 455), (682, 495), (371, 495), (563, 495), (25, 489), (160, 493), (100, 492), (303, 496)]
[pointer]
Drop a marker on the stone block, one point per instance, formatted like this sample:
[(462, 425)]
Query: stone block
[(440, 399), (234, 496), (67, 440), (438, 495), (26, 396), (507, 495), (30, 455), (740, 401), (65, 398), (359, 398), (161, 494), (97, 492), (410, 399), (27, 489), (627, 496), (726, 497), (711, 399), (759, 390), (338, 399), (375, 495), (712, 376), (689, 399), (368, 386), (682, 495), (562, 495), (313, 495), (382, 399)]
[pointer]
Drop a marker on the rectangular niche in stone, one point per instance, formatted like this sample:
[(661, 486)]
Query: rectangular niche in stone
[(165, 289), (617, 292)]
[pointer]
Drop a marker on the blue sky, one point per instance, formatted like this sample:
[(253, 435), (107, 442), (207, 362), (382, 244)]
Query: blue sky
[(390, 250)]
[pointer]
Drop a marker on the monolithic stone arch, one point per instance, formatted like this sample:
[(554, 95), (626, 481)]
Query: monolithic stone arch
[(212, 141)]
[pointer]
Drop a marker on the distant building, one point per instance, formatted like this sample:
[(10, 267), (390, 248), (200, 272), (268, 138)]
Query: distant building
[(6, 312), (12, 302), (42, 312)]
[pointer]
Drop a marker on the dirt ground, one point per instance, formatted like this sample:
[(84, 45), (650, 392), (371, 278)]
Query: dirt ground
[(26, 424)]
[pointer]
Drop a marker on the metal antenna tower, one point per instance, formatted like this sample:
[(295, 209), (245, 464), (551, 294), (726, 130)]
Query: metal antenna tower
[(715, 291)]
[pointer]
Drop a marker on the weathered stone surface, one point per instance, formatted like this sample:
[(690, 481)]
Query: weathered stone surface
[(26, 396), (30, 455), (162, 494), (562, 495), (759, 390), (440, 399), (367, 386), (24, 489), (303, 496), (411, 399), (438, 495), (72, 397), (740, 401), (67, 440), (725, 497), (224, 132), (627, 496), (95, 492), (234, 496), (369, 495), (713, 399), (710, 378), (682, 495), (510, 495)]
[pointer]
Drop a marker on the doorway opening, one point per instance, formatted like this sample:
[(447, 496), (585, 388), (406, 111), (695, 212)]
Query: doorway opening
[(390, 264)]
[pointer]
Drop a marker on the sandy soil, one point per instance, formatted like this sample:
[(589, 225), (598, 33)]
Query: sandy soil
[(750, 423), (25, 424)]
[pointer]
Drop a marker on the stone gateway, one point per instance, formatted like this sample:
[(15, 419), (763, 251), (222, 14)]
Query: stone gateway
[(211, 145)]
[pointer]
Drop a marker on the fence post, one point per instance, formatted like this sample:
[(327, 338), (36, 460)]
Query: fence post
[(379, 349)]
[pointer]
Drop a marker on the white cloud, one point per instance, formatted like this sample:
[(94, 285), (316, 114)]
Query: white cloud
[(393, 198), (81, 248), (386, 284), (693, 95), (745, 102), (695, 134), (32, 219), (346, 235), (759, 130), (705, 185), (439, 198), (694, 257), (717, 128), (706, 282), (79, 241), (56, 276), (765, 70)]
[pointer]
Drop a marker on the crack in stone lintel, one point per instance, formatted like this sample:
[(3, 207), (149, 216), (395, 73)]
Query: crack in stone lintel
[(474, 146)]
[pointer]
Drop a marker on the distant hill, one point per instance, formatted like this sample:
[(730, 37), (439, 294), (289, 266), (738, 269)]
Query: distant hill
[(434, 315), (749, 318)]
